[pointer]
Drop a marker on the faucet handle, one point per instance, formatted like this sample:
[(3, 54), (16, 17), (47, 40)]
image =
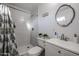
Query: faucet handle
[(62, 37)]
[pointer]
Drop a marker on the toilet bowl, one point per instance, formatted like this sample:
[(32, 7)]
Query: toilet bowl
[(35, 51)]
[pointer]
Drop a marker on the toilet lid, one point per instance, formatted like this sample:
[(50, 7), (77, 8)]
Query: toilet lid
[(35, 50)]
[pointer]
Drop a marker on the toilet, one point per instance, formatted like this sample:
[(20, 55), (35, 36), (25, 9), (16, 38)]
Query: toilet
[(35, 51)]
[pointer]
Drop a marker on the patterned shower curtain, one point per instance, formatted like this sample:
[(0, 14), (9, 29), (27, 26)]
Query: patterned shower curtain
[(8, 46)]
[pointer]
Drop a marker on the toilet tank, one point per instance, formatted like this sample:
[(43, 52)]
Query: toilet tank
[(41, 43)]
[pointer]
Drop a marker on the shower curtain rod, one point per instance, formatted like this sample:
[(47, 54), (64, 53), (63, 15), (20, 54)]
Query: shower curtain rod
[(13, 7)]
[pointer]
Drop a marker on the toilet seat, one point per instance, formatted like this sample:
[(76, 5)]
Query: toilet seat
[(35, 51)]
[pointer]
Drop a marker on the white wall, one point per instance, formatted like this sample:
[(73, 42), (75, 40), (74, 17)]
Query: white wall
[(34, 23), (34, 32), (48, 24), (22, 32)]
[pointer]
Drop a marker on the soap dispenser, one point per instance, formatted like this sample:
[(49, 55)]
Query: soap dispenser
[(56, 35), (77, 38), (62, 37)]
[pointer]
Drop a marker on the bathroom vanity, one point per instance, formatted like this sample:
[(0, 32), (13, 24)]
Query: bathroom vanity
[(57, 47)]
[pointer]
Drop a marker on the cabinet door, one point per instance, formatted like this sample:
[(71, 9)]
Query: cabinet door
[(51, 50)]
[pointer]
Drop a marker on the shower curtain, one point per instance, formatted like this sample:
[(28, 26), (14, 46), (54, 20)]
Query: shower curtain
[(8, 46)]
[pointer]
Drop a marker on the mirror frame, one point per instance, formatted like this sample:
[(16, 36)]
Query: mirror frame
[(72, 16)]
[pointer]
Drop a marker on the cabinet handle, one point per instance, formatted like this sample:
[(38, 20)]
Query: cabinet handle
[(59, 52)]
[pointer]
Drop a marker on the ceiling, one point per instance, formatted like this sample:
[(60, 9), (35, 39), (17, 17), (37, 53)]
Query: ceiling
[(27, 6)]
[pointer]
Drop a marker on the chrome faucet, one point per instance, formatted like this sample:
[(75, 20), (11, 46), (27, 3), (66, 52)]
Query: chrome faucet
[(63, 37)]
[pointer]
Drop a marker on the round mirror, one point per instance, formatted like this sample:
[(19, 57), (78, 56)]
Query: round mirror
[(65, 15)]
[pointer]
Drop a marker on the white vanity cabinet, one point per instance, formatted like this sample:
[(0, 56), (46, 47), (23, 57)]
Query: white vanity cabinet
[(52, 50)]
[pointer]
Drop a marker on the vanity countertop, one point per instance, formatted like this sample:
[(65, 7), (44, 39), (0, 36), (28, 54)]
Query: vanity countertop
[(71, 46)]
